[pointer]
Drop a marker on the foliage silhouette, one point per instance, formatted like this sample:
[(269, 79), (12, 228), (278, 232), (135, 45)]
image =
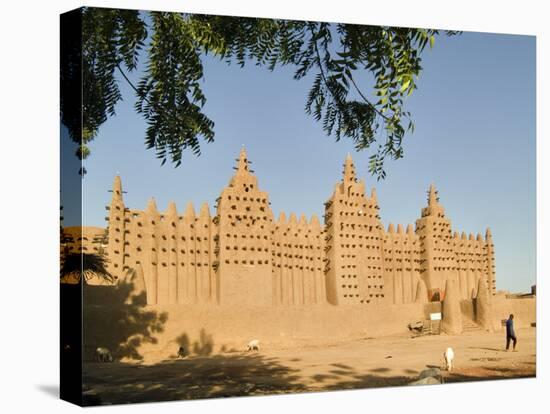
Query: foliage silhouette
[(116, 317), (76, 265), (183, 342), (204, 345), (170, 98), (84, 266)]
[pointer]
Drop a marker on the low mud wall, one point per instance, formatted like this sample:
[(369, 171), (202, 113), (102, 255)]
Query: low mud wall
[(523, 309), (234, 327), (117, 318), (136, 331)]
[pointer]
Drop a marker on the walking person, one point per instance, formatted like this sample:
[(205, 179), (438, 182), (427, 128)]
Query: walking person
[(510, 333)]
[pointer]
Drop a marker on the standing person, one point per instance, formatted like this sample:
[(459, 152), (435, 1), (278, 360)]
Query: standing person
[(510, 333)]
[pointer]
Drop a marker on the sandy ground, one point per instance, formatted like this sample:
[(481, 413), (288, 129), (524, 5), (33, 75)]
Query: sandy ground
[(361, 363)]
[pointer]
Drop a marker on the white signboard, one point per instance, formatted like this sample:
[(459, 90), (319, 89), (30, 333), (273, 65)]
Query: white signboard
[(435, 316)]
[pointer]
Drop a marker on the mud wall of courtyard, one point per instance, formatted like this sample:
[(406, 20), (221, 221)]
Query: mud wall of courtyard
[(119, 319), (524, 311), (155, 332)]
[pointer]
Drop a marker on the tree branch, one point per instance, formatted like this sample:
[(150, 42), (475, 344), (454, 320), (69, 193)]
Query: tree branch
[(367, 101), (319, 63), (131, 84)]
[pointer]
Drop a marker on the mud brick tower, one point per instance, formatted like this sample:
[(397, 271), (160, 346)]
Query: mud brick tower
[(243, 243), (353, 243)]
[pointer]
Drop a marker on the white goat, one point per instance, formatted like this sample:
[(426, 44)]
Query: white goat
[(449, 356), (253, 345), (103, 355)]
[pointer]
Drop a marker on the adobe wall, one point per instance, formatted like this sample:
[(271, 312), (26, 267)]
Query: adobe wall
[(401, 255), (231, 328), (467, 308), (175, 251), (523, 309), (297, 261), (155, 331)]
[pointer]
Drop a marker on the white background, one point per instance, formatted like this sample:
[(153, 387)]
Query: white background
[(29, 211)]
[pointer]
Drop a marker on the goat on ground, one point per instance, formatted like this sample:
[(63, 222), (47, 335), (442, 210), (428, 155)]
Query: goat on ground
[(103, 355), (449, 356), (253, 345)]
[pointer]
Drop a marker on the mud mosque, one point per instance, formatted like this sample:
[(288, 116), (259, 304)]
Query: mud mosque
[(244, 256)]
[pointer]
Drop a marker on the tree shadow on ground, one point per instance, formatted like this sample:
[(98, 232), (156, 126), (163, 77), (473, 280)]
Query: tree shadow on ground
[(488, 349), (343, 366), (191, 378), (116, 317), (248, 374), (323, 377), (382, 377), (361, 381), (380, 370), (411, 371), (489, 374)]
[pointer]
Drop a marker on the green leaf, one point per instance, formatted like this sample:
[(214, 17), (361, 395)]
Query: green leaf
[(382, 101), (171, 47)]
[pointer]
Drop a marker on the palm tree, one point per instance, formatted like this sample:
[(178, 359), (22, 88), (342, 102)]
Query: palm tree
[(75, 265), (84, 266)]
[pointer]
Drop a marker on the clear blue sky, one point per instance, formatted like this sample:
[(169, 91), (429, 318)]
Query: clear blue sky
[(474, 113)]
